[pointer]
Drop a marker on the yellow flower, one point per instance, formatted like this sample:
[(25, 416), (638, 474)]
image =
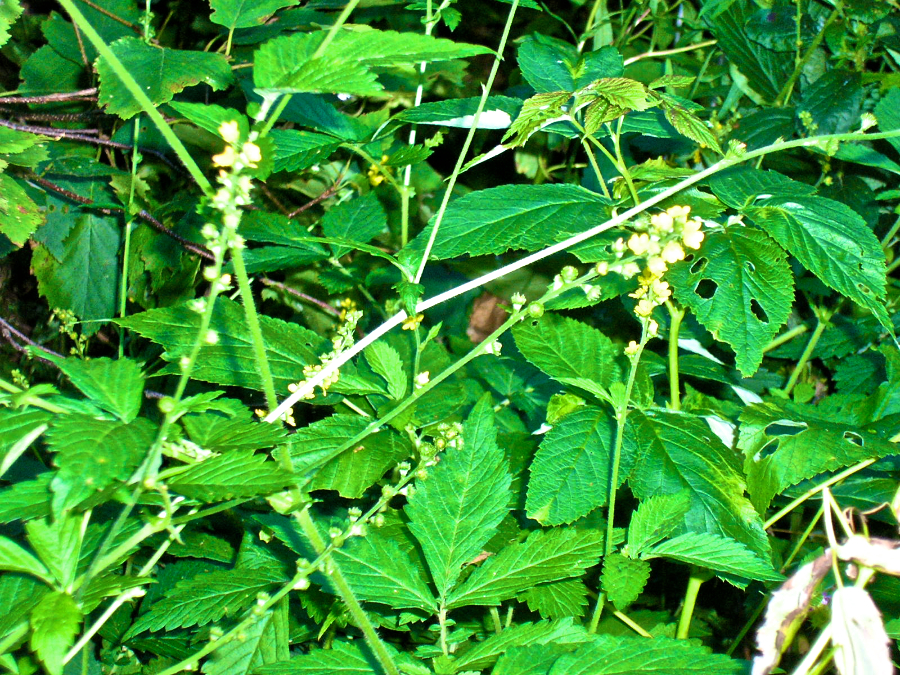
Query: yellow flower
[(644, 307), (660, 290), (229, 131), (632, 348), (656, 265), (691, 234), (652, 328), (673, 252), (413, 322), (226, 157), (679, 211), (639, 243), (662, 222), (252, 153)]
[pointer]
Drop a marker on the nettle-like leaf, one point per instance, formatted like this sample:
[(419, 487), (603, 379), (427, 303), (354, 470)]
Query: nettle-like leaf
[(265, 642), (359, 219), (570, 472), (344, 658), (93, 454), (537, 112), (544, 556), (558, 599), (549, 64), (677, 452), (833, 242), (18, 430), (14, 558), (236, 474), (740, 186), (655, 519), (623, 579), (57, 543), (205, 598), (9, 12), (286, 64), (569, 351), (115, 386), (379, 571), (244, 13), (297, 150), (26, 499), (739, 285), (160, 72), (718, 553), (230, 427), (692, 127), (386, 361), (498, 112), (54, 624), (509, 217), (785, 443), (456, 511), (19, 215)]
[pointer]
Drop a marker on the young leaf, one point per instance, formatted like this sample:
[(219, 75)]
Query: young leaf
[(677, 452), (116, 386), (54, 624), (692, 127), (485, 654), (457, 509), (510, 217), (265, 641), (570, 471), (655, 519), (558, 599), (386, 361), (802, 445), (14, 558), (206, 598), (93, 454), (833, 242), (545, 556), (718, 553), (379, 571), (245, 14), (569, 351), (623, 579), (236, 474), (751, 290), (160, 72)]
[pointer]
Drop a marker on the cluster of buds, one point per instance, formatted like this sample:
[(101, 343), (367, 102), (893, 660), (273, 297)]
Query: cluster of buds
[(449, 435), (341, 342)]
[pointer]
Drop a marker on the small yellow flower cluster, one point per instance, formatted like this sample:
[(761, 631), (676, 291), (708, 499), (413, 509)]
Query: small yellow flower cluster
[(413, 322), (347, 305), (341, 342), (248, 154), (376, 177), (651, 292)]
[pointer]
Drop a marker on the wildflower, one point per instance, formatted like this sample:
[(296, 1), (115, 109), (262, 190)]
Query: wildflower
[(518, 301), (691, 234), (652, 328), (422, 379), (656, 265), (662, 222), (413, 322), (252, 153), (229, 132), (673, 252), (347, 305), (493, 348), (226, 157), (639, 243), (568, 274), (645, 307), (632, 348), (602, 268)]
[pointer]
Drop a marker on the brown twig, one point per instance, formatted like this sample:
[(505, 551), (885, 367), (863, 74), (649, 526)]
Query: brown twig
[(315, 200), (272, 198), (299, 294), (112, 16), (65, 117), (9, 332), (86, 94)]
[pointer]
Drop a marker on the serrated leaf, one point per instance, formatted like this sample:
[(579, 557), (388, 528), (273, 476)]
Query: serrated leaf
[(485, 654), (571, 469), (833, 102), (888, 114), (531, 659), (557, 599), (54, 624), (298, 150), (115, 386), (344, 658), (379, 571), (161, 72), (237, 474), (547, 555), (655, 519), (19, 215), (740, 186), (457, 509), (205, 598), (677, 452), (356, 469), (536, 112), (622, 92), (833, 242), (691, 126), (510, 217), (359, 219), (14, 558), (747, 290), (26, 499), (244, 13), (386, 361), (19, 594), (10, 10), (785, 443), (623, 579), (569, 351), (58, 544), (230, 361), (547, 63), (18, 429), (93, 454), (265, 641), (715, 552), (220, 431)]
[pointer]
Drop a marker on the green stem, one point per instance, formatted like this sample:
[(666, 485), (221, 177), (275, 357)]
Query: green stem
[(631, 623), (677, 315), (274, 115), (889, 235), (596, 167), (785, 337), (123, 285), (620, 160), (805, 356), (785, 92), (135, 90), (334, 573), (335, 27), (451, 183), (495, 618), (597, 613), (690, 600), (442, 621)]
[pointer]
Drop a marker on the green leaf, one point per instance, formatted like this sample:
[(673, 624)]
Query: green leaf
[(116, 386), (740, 186), (536, 113), (344, 658), (571, 470), (298, 150), (558, 599), (691, 126), (739, 285), (93, 454), (84, 279), (356, 469), (545, 556), (833, 102), (58, 544), (236, 474), (231, 429), (265, 641), (547, 63), (785, 443), (623, 579), (160, 72), (19, 215), (26, 499), (386, 361), (19, 594), (888, 114), (510, 217), (677, 452), (457, 509), (833, 242), (655, 519), (54, 624), (245, 14), (718, 553), (205, 598), (14, 558), (379, 571), (18, 430), (230, 361), (569, 351), (485, 654), (285, 64), (498, 113), (10, 10), (359, 219)]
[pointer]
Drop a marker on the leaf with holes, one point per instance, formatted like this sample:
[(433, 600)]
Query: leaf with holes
[(740, 288)]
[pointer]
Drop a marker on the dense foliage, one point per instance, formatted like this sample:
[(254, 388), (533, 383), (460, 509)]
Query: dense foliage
[(520, 337)]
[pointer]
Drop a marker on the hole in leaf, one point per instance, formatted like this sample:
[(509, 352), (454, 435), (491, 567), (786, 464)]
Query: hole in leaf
[(785, 428), (864, 289), (768, 449), (698, 266), (706, 289), (758, 311), (854, 438), (750, 267)]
